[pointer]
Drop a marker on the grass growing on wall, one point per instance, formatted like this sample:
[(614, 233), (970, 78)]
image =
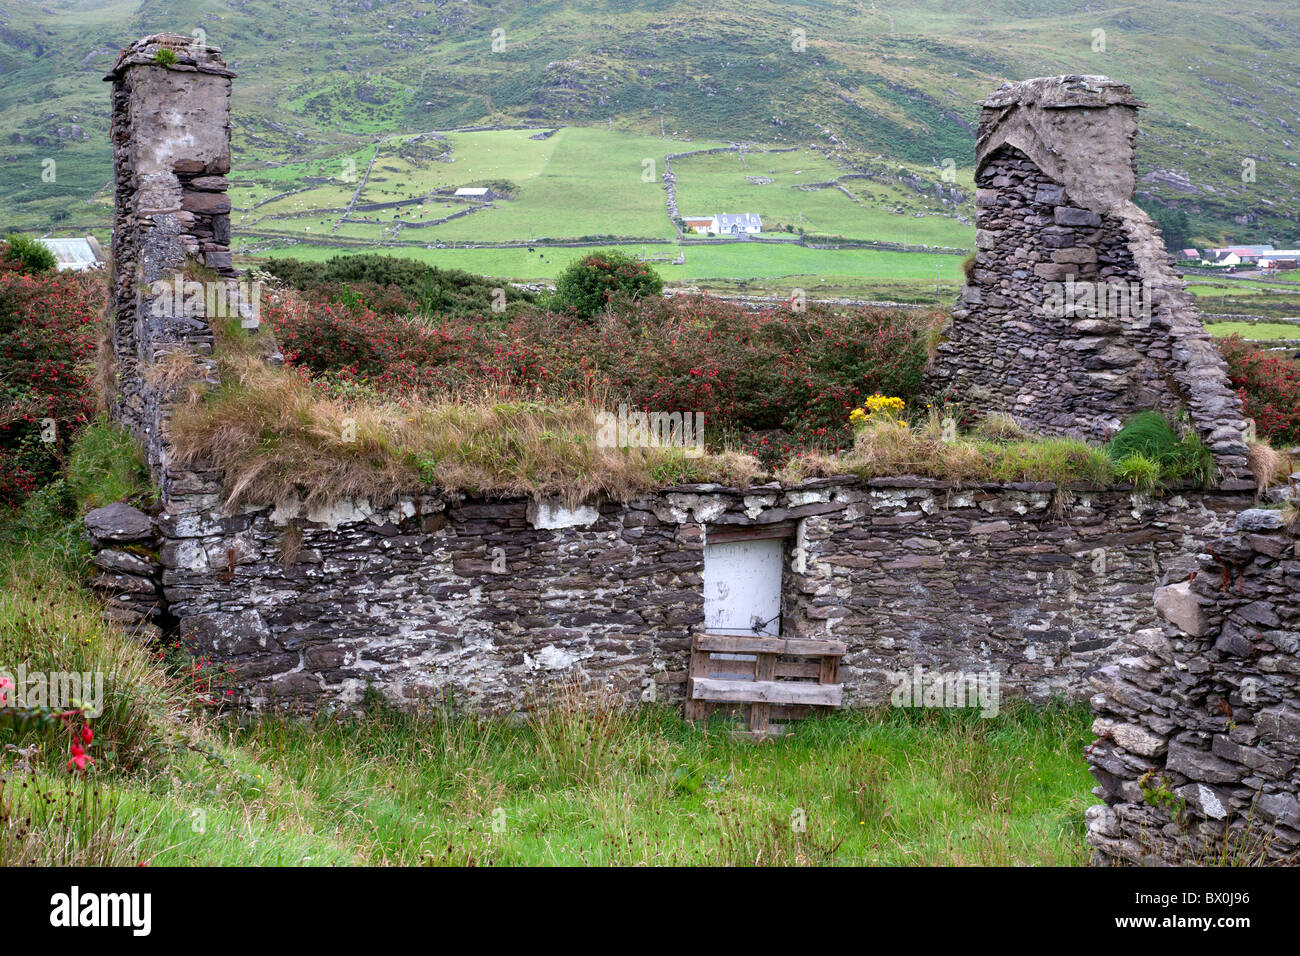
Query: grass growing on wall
[(1147, 452), (277, 439), (889, 446)]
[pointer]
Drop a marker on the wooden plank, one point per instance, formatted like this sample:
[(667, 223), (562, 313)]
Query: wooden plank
[(731, 670), (716, 534), (696, 709), (735, 666), (811, 669), (742, 644), (830, 670), (764, 672), (768, 692)]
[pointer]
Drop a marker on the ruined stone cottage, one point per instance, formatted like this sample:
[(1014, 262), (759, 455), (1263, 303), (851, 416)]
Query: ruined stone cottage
[(483, 601)]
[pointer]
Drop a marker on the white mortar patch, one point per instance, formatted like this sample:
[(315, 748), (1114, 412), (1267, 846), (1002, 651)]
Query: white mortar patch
[(552, 514), (340, 512), (807, 498), (551, 658)]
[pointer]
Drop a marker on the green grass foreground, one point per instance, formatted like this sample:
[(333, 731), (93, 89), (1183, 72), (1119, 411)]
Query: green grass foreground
[(574, 782), (588, 787), (569, 785), (602, 786)]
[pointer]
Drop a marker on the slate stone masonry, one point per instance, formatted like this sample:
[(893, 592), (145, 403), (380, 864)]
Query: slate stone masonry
[(1072, 317), (171, 153), (1198, 724), (483, 602)]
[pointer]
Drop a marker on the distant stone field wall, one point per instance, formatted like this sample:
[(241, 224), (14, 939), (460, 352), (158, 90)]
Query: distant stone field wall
[(1198, 724), (1072, 317)]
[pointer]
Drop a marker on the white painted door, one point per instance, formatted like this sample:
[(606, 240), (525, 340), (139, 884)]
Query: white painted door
[(742, 587)]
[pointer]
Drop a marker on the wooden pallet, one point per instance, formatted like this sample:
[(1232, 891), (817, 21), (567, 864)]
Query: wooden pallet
[(765, 678)]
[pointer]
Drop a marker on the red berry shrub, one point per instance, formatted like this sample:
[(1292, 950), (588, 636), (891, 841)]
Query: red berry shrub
[(48, 326), (773, 381), (1269, 386)]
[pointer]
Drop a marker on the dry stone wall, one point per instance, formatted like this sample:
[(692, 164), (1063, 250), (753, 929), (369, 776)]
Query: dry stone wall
[(1072, 317), (485, 601), (1198, 724)]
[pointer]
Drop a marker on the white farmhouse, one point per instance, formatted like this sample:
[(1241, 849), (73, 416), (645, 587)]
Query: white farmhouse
[(739, 224)]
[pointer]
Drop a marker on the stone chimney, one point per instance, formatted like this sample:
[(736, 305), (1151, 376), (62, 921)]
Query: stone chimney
[(171, 153), (1072, 317)]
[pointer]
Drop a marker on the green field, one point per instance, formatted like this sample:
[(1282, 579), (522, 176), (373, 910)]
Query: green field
[(549, 183), (1256, 331), (583, 182), (717, 266), (880, 211)]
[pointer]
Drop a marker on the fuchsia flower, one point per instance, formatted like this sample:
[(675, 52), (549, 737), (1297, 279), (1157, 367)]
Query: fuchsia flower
[(80, 760)]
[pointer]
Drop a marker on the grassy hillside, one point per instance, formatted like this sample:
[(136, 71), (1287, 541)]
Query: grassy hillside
[(874, 87)]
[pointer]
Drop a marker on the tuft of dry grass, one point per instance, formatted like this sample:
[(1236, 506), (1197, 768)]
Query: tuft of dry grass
[(1267, 464), (278, 438), (812, 464), (887, 447), (1001, 427)]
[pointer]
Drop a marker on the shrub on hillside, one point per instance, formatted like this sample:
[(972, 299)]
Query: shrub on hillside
[(47, 340), (27, 255), (394, 285), (588, 285), (1269, 386)]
